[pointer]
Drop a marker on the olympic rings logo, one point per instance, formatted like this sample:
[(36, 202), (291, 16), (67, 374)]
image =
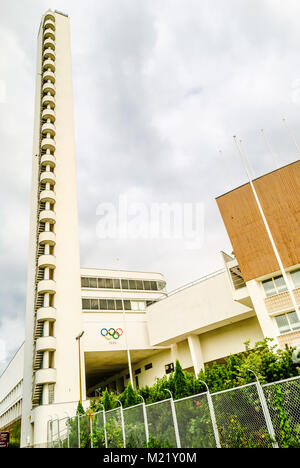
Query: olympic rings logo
[(110, 333)]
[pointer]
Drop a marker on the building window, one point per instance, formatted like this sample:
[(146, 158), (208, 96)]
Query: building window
[(138, 305), (93, 283), (101, 283), (94, 304), (274, 286), (287, 322), (117, 283), (84, 282), (148, 366), (169, 368), (295, 275), (51, 394), (114, 304), (137, 371), (137, 382), (127, 305)]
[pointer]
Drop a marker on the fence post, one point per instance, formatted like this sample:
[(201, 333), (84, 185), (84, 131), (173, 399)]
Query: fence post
[(50, 429), (104, 423), (68, 436), (58, 433), (123, 424), (145, 419), (90, 416), (78, 429), (212, 414), (175, 422), (265, 409)]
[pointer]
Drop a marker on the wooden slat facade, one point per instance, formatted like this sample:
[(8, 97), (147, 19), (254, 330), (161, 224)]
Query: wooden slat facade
[(279, 194)]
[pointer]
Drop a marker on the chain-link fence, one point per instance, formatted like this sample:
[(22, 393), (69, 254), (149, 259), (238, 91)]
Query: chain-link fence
[(283, 400), (194, 422), (249, 416)]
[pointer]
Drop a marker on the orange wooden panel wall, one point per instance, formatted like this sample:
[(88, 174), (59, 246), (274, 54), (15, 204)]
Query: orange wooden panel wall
[(279, 194)]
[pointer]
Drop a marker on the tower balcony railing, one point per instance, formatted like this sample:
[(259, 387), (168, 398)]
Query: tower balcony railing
[(47, 261), (49, 75), (48, 160), (49, 23), (49, 63), (48, 314), (48, 196), (47, 216), (47, 237), (49, 15), (45, 376), (45, 343), (47, 176), (48, 42), (48, 143), (49, 114), (48, 101), (49, 127), (46, 286), (49, 33), (49, 88), (49, 54)]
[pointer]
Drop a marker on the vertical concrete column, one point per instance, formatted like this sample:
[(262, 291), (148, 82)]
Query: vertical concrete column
[(265, 321), (196, 353)]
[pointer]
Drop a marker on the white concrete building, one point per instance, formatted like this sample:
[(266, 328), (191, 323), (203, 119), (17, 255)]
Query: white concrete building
[(129, 328)]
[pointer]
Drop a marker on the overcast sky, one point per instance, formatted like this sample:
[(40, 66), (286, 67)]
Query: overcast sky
[(160, 86)]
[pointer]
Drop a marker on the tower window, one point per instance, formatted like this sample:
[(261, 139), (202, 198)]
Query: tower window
[(169, 368)]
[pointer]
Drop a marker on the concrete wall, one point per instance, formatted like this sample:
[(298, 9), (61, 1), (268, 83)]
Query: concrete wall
[(196, 309)]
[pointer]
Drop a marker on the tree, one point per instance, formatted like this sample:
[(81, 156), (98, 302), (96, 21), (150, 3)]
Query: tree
[(180, 382)]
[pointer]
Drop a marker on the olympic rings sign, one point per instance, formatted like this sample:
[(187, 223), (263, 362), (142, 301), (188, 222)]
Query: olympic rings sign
[(111, 333)]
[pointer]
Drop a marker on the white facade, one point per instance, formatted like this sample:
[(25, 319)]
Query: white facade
[(53, 311), (11, 390)]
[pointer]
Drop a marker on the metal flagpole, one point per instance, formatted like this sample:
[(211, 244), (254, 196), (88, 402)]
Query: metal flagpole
[(278, 258), (291, 135), (251, 171), (126, 341), (270, 148)]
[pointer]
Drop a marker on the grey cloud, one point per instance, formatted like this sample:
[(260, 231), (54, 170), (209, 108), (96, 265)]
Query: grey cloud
[(159, 89)]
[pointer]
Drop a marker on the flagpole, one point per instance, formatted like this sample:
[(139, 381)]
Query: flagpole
[(278, 258), (291, 135), (126, 340), (270, 148)]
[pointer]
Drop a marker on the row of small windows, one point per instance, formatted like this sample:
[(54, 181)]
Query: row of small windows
[(16, 392), (277, 284), (114, 304), (287, 322), (116, 283)]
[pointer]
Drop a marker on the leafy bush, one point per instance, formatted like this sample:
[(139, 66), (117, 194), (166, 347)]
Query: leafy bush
[(269, 363)]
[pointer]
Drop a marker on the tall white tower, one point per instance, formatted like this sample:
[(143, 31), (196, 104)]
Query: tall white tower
[(53, 309)]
